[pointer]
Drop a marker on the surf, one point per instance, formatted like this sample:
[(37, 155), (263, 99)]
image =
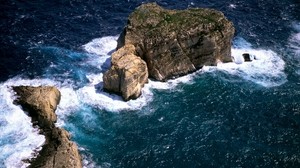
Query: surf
[(267, 70)]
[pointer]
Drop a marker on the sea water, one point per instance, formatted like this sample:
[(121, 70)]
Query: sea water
[(239, 114)]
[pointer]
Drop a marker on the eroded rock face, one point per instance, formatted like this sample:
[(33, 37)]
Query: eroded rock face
[(40, 102), (128, 73), (176, 42), (58, 150)]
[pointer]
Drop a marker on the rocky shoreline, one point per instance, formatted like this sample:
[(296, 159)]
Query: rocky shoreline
[(40, 104)]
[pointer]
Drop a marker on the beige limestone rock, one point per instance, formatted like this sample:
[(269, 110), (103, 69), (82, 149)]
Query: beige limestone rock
[(177, 42), (171, 42), (127, 75), (58, 150)]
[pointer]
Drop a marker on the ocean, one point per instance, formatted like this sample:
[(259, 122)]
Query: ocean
[(230, 115)]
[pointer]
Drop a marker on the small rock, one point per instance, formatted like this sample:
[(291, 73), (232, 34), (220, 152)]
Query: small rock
[(247, 57)]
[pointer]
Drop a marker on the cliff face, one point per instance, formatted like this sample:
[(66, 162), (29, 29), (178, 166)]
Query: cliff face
[(58, 150), (177, 42)]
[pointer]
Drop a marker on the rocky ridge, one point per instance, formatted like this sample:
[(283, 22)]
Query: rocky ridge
[(58, 150), (171, 42)]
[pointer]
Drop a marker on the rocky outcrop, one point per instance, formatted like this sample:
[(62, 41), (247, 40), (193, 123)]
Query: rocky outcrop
[(173, 42), (127, 75), (176, 42), (58, 150)]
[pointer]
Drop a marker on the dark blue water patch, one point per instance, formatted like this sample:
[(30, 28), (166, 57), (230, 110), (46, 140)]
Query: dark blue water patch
[(210, 123), (11, 64), (59, 64)]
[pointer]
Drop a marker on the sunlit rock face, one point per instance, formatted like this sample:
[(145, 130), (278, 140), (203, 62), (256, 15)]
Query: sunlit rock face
[(41, 103), (176, 42), (165, 44)]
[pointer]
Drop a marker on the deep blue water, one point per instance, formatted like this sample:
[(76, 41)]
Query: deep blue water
[(232, 115)]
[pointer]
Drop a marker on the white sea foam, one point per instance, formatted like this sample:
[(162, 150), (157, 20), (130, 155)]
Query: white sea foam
[(100, 50), (18, 139), (233, 6), (88, 162), (172, 83), (265, 69), (94, 95), (101, 46)]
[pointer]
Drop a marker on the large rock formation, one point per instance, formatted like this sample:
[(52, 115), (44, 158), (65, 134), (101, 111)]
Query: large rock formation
[(58, 150), (176, 42), (128, 73)]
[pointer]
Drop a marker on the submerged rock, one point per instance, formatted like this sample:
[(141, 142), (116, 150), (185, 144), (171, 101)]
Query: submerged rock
[(171, 42), (58, 150)]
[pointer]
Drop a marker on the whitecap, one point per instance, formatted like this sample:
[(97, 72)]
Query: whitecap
[(266, 68), (93, 94), (18, 139), (233, 6), (101, 46), (100, 50)]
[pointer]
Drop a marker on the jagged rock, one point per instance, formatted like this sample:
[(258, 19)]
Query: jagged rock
[(40, 102), (58, 150), (127, 75), (176, 42)]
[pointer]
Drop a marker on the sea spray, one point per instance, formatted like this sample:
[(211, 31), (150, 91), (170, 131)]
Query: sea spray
[(267, 71), (266, 68), (19, 141)]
